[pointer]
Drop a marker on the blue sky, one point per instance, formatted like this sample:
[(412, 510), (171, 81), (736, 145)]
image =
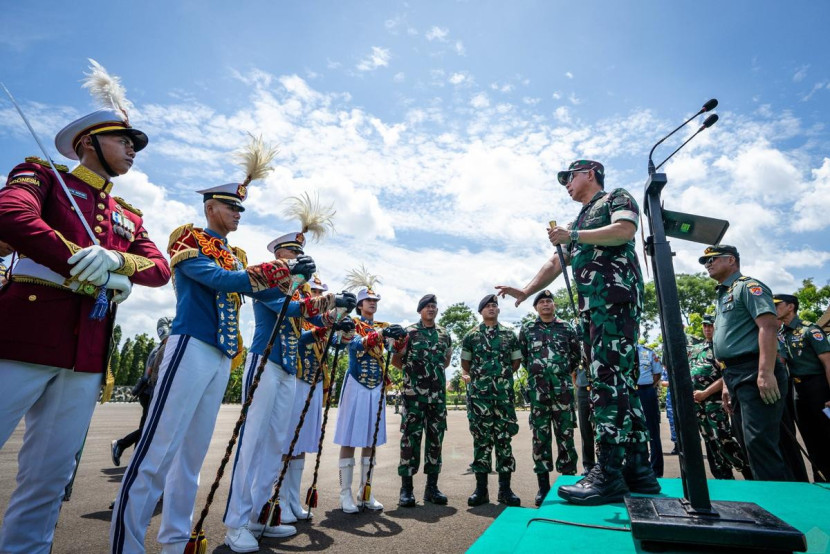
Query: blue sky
[(436, 128)]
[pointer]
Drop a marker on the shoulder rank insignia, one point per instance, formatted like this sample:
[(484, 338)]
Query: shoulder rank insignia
[(44, 163), (126, 205)]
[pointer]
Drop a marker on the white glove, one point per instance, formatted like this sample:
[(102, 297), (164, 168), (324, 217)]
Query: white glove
[(92, 263), (121, 285)]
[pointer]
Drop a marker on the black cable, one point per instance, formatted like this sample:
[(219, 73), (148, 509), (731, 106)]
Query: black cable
[(576, 524)]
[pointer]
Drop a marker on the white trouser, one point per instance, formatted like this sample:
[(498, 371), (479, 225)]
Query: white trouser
[(58, 405), (173, 445), (259, 452)]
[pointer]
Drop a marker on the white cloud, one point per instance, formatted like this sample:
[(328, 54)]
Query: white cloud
[(813, 204), (556, 95), (437, 33), (800, 73), (457, 78), (378, 58), (574, 99), (459, 48), (480, 100), (399, 77), (569, 75)]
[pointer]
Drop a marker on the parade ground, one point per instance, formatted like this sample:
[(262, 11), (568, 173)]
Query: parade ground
[(83, 526)]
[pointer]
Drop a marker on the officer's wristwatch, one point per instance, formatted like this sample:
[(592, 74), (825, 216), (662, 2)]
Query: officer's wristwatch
[(574, 236)]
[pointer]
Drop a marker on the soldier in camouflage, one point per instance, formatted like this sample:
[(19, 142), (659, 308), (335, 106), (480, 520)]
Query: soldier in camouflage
[(599, 246), (722, 450), (489, 356), (423, 361), (550, 354)]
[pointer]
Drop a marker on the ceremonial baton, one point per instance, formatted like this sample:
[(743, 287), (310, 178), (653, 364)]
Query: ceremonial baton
[(272, 511), (311, 495), (561, 256), (367, 488), (197, 544)]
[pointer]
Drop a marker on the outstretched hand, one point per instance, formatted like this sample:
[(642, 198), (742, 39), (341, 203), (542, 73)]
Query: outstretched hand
[(504, 291)]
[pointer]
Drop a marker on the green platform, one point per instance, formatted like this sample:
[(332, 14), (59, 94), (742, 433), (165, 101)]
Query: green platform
[(802, 505)]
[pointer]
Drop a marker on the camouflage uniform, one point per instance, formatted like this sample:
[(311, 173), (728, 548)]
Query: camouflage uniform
[(424, 398), (722, 449), (550, 353), (610, 287), (492, 415)]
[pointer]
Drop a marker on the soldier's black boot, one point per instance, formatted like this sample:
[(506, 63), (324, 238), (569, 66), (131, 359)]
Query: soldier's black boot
[(604, 484), (480, 495), (407, 499), (431, 492), (506, 496), (544, 487), (637, 471)]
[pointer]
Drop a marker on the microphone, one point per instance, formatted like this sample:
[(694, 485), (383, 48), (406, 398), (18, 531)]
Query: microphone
[(708, 122), (708, 106)]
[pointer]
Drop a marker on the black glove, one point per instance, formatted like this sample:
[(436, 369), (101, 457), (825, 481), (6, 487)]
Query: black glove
[(303, 265), (345, 300), (345, 325), (394, 332)]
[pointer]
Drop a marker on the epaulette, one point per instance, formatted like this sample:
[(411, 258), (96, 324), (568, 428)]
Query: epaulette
[(46, 164), (240, 255), (126, 205), (182, 245)]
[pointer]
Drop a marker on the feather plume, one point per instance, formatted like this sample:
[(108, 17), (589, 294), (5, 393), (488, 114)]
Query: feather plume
[(255, 159), (106, 89), (313, 216), (359, 278)]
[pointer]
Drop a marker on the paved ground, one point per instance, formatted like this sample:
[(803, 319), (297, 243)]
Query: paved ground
[(84, 521)]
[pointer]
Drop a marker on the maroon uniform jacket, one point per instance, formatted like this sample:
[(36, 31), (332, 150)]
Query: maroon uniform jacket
[(45, 322)]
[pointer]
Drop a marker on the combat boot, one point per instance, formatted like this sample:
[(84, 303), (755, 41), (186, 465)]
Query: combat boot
[(480, 495), (637, 472), (407, 499), (506, 496), (544, 487), (431, 492), (604, 484)]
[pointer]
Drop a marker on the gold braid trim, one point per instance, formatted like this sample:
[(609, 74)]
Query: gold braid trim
[(44, 163), (127, 205), (182, 245), (133, 264)]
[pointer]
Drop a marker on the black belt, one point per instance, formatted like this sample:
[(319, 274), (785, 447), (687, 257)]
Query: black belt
[(742, 359), (804, 378)]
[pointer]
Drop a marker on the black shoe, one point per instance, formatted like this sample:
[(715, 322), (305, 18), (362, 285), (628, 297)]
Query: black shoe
[(506, 496), (116, 452), (480, 495), (587, 469), (544, 487), (431, 492), (603, 485), (674, 451), (407, 498), (638, 474)]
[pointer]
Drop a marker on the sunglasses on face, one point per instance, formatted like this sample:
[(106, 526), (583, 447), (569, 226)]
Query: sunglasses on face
[(571, 175)]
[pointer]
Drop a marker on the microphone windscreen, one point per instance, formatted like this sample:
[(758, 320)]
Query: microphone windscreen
[(710, 105), (709, 121)]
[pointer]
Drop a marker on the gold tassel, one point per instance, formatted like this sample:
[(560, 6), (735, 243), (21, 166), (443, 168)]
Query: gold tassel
[(109, 385), (196, 544)]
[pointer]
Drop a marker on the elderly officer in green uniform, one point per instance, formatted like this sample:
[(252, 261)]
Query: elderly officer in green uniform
[(807, 354), (550, 354), (745, 342), (722, 449), (423, 361), (600, 249), (489, 356)]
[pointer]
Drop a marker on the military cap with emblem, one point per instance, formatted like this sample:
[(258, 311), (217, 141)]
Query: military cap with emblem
[(582, 165), (544, 294), (112, 119), (313, 217), (487, 300), (317, 284), (364, 282), (788, 298), (426, 299), (255, 158), (708, 319), (717, 251)]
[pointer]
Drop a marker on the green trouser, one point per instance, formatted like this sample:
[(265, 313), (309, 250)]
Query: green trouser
[(552, 406), (417, 418)]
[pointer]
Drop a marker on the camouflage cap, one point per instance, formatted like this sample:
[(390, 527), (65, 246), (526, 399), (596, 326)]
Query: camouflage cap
[(544, 294), (487, 300), (719, 250), (708, 319), (582, 165)]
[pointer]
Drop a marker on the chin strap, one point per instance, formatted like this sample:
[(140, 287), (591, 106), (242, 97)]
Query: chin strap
[(101, 159)]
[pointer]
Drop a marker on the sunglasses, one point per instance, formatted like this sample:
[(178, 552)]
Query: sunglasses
[(571, 175)]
